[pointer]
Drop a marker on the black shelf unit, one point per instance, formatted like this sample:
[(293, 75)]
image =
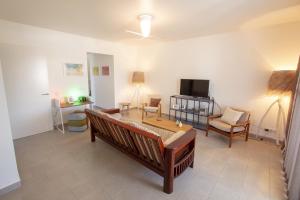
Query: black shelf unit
[(190, 109)]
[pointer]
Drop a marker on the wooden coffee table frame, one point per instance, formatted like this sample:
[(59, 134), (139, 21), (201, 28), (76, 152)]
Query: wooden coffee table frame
[(166, 124)]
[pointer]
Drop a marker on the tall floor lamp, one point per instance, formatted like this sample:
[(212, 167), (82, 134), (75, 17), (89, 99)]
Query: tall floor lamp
[(280, 84), (138, 79)]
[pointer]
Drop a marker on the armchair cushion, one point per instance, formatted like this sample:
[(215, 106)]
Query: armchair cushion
[(154, 102), (245, 117), (150, 109), (219, 124), (231, 116)]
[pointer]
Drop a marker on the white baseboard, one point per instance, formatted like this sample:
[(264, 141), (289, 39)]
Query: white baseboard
[(10, 188)]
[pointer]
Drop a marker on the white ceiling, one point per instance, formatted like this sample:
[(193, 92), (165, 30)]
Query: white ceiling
[(108, 19)]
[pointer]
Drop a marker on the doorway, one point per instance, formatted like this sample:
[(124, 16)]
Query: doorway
[(101, 79)]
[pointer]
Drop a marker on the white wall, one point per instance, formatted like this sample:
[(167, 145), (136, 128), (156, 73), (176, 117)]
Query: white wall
[(8, 168), (238, 65), (58, 48), (102, 87)]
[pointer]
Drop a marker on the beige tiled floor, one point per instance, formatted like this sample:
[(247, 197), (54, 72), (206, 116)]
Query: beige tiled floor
[(55, 166)]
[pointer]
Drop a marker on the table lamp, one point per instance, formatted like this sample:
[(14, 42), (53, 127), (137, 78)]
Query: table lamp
[(280, 84)]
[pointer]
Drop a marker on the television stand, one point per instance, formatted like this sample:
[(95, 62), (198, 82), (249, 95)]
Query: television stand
[(192, 110)]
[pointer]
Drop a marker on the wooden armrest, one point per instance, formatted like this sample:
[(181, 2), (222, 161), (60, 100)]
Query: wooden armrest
[(144, 104), (214, 116), (241, 124), (182, 141), (111, 111)]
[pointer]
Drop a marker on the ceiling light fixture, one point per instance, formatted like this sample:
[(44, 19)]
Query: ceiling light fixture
[(145, 24)]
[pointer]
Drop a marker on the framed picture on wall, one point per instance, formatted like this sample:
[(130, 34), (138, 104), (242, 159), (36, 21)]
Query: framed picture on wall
[(96, 71), (71, 69), (105, 70)]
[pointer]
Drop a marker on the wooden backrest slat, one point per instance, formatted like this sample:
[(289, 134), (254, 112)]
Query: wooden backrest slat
[(141, 144), (125, 137), (105, 128), (119, 132), (116, 134), (143, 147), (96, 122), (147, 148), (129, 138), (138, 146), (151, 148), (158, 152), (112, 132), (99, 125)]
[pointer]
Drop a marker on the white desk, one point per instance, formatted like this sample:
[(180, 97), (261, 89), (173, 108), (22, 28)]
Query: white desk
[(58, 108)]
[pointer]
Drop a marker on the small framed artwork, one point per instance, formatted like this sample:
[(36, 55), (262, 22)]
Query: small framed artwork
[(96, 71), (105, 70), (71, 69)]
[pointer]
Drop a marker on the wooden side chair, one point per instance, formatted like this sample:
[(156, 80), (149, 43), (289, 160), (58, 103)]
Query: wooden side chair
[(153, 107), (230, 128)]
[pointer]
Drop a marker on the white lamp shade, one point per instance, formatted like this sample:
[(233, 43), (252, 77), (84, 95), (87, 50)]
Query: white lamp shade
[(138, 77), (281, 82)]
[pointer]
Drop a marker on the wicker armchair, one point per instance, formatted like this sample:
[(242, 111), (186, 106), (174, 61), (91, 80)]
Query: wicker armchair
[(214, 123), (153, 107)]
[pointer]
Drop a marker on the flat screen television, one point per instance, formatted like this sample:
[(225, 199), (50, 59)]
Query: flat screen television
[(194, 87)]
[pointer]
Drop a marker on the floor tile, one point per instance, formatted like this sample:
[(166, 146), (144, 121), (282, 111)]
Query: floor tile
[(55, 166)]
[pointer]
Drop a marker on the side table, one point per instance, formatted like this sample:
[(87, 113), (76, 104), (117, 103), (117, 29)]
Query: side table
[(124, 105)]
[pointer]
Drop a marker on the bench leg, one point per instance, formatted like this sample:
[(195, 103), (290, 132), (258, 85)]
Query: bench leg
[(168, 185), (193, 146), (230, 141), (192, 165), (93, 137), (169, 173), (247, 134)]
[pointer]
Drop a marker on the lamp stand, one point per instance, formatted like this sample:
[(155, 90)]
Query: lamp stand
[(137, 95), (280, 115)]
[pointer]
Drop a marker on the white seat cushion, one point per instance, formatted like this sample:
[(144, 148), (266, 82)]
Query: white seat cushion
[(219, 124), (116, 116), (150, 109), (166, 136), (231, 116)]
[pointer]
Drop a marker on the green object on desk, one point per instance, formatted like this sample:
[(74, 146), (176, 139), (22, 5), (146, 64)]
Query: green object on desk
[(82, 99), (77, 103)]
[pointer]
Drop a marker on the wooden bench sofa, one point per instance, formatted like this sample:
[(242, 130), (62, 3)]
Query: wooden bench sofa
[(169, 161)]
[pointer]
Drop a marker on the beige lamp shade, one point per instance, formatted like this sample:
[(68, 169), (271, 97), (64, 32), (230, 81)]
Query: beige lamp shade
[(138, 77), (281, 82)]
